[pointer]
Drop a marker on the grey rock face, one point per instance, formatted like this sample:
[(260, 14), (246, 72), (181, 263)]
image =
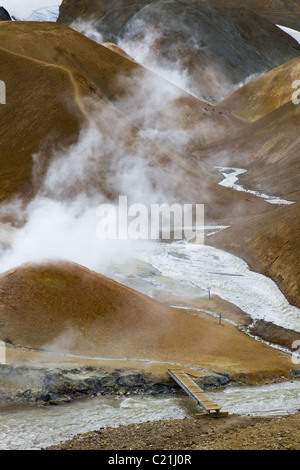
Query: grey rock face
[(4, 15)]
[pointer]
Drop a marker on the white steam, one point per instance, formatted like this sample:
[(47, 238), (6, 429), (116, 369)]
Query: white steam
[(111, 158), (142, 52), (118, 153), (142, 44), (88, 29)]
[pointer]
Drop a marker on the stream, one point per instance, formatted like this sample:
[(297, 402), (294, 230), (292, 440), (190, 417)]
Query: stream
[(230, 181), (30, 427)]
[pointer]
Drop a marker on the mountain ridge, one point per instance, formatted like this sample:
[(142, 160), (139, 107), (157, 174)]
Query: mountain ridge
[(215, 47)]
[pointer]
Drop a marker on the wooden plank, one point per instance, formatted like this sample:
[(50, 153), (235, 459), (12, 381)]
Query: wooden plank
[(193, 390)]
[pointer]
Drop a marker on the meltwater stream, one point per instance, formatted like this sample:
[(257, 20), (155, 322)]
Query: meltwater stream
[(230, 181), (187, 270), (32, 427)]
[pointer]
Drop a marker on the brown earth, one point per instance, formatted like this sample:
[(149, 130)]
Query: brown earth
[(266, 93), (65, 308), (231, 433), (268, 150), (275, 334), (56, 94), (272, 162), (269, 147)]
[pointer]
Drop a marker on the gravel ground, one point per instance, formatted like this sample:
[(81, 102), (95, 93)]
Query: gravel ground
[(224, 433)]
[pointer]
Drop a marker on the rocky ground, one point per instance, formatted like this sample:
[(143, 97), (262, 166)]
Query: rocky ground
[(228, 433), (60, 379), (50, 386)]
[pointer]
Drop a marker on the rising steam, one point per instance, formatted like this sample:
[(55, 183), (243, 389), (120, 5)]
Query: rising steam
[(111, 157)]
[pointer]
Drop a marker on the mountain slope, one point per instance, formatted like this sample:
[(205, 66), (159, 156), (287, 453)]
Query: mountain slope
[(66, 308), (269, 146), (269, 150), (266, 93), (270, 244), (214, 47), (66, 87), (283, 12)]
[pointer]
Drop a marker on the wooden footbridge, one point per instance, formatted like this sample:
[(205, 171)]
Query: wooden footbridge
[(194, 391)]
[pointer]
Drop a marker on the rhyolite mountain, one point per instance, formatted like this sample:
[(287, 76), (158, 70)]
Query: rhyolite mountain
[(54, 76), (59, 83), (63, 87), (216, 45), (269, 148), (220, 44), (65, 308), (283, 12)]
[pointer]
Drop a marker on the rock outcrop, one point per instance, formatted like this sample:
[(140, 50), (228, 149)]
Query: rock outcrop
[(4, 15)]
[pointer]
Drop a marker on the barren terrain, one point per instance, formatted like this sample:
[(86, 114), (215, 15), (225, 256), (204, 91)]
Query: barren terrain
[(231, 433), (175, 90)]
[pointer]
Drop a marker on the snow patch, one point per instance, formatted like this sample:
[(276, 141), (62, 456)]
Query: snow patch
[(25, 10), (292, 32)]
